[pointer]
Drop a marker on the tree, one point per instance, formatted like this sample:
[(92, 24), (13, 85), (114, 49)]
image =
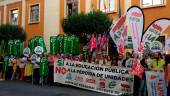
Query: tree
[(83, 25), (11, 32)]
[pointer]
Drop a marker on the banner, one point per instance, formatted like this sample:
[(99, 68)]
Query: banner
[(119, 34), (38, 50), (154, 31), (105, 79), (118, 29), (155, 83), (136, 26), (156, 46), (137, 68), (26, 52)]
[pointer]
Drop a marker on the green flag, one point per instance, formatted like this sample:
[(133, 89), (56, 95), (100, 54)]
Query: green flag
[(44, 66)]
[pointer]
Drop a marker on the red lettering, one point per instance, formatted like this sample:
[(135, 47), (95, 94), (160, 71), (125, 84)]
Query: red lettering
[(119, 24), (136, 14), (77, 78), (61, 70), (125, 85), (159, 28), (160, 89), (153, 77), (91, 81)]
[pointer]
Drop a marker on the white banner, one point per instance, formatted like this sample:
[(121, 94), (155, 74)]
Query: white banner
[(156, 46), (105, 79), (155, 83), (154, 31), (136, 26), (117, 30)]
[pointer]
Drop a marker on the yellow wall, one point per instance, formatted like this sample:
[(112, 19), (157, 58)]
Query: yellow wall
[(82, 5), (17, 5), (2, 11), (36, 29)]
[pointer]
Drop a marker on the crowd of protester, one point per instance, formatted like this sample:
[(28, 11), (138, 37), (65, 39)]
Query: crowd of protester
[(22, 68)]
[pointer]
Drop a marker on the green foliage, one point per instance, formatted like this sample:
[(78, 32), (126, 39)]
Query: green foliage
[(12, 32), (83, 25), (11, 37)]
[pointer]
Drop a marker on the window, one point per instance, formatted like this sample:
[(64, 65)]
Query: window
[(34, 13), (72, 7), (13, 19), (150, 3), (107, 5)]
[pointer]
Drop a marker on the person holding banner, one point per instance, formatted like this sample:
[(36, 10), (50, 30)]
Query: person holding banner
[(22, 62), (128, 56), (10, 68), (36, 76), (28, 69), (52, 59), (15, 72), (43, 71)]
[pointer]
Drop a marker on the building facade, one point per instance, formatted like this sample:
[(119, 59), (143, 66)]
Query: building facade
[(43, 17)]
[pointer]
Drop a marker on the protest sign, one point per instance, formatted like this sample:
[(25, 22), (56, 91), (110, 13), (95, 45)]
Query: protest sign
[(135, 19), (105, 79), (154, 31), (155, 83)]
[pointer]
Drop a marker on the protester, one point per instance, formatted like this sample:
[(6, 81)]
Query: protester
[(114, 60), (15, 74), (120, 60), (109, 61), (43, 71), (22, 63), (36, 67), (167, 73), (143, 88), (158, 63), (52, 60), (128, 56), (10, 68), (1, 67), (28, 72)]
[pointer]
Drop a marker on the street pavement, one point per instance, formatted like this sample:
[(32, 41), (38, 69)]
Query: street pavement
[(20, 88)]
